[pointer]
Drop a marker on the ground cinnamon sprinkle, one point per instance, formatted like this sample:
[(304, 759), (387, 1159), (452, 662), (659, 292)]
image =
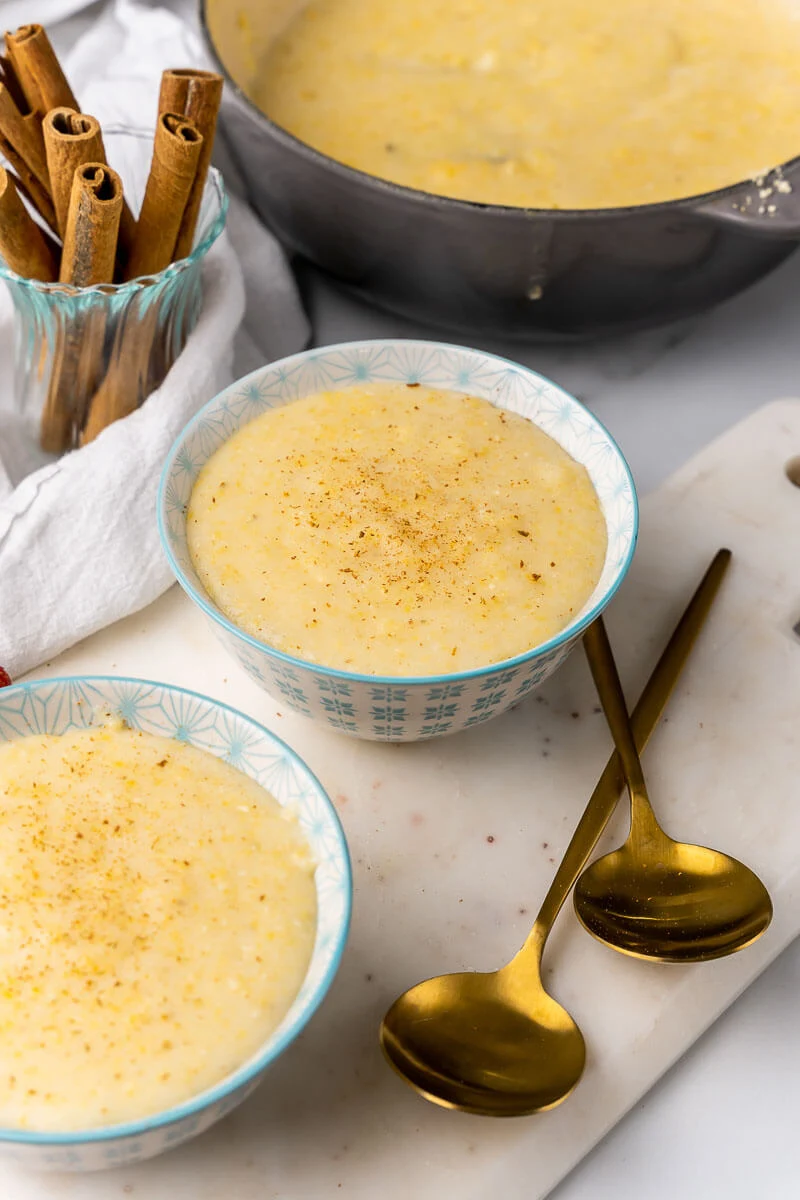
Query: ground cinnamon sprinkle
[(402, 511), (128, 971)]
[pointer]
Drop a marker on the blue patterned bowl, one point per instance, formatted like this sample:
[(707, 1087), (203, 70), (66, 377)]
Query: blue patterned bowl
[(56, 705), (400, 709)]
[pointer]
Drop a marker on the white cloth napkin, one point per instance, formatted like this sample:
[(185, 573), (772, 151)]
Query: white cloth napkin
[(78, 540)]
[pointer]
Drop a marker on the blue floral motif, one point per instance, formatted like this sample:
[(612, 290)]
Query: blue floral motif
[(180, 1132), (288, 674), (445, 691), (62, 1158), (436, 728), (441, 712), (389, 722), (389, 713), (295, 695), (396, 694), (137, 700), (174, 500), (463, 371), (250, 401), (242, 747), (337, 687), (229, 1104), (343, 724), (489, 700), (361, 364), (282, 384), (116, 1151), (253, 669), (315, 375), (340, 708), (533, 680), (186, 464), (500, 679), (13, 721), (192, 720), (417, 362)]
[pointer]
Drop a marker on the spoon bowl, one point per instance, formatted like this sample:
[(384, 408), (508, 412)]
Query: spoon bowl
[(654, 897), (691, 904), (482, 1043)]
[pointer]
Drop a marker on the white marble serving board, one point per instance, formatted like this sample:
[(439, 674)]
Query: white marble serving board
[(454, 842)]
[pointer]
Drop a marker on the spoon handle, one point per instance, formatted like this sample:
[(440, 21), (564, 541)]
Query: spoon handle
[(645, 716), (644, 827)]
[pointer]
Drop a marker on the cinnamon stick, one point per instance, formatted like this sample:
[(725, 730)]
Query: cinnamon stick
[(196, 94), (70, 140), (22, 144), (135, 362), (90, 244), (39, 71), (8, 76), (23, 244), (77, 368), (127, 379), (176, 153), (90, 238)]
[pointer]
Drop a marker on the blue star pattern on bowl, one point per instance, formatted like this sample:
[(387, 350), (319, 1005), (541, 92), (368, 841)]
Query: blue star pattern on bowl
[(400, 709), (54, 706)]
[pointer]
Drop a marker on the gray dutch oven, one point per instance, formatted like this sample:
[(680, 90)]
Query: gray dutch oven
[(490, 270)]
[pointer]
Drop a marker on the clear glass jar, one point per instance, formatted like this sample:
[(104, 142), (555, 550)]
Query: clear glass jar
[(84, 357)]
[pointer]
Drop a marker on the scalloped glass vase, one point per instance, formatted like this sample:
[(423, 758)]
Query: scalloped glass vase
[(84, 357)]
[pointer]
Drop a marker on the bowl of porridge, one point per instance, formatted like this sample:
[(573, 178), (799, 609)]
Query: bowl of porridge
[(175, 887), (398, 538)]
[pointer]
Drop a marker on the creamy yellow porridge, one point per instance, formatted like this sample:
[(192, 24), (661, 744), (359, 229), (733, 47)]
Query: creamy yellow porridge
[(552, 103), (396, 530), (157, 917)]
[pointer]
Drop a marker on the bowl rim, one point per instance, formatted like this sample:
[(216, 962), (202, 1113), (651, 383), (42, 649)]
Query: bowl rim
[(267, 1052), (432, 199), (567, 634)]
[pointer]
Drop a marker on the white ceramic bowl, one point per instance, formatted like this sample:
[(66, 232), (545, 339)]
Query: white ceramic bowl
[(56, 705), (399, 708)]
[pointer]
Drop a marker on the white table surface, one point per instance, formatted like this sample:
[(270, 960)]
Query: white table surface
[(725, 1122)]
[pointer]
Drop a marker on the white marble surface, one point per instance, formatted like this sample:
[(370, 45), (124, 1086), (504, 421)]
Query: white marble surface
[(724, 1121), (429, 890)]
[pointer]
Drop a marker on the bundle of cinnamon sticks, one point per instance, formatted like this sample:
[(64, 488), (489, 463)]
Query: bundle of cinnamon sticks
[(85, 233)]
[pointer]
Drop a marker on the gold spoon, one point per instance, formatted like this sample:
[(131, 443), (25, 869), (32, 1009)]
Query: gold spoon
[(495, 1043), (654, 897)]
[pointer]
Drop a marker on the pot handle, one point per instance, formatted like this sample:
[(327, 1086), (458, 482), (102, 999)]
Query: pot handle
[(768, 206)]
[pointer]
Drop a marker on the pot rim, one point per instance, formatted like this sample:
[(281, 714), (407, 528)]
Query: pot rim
[(502, 211)]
